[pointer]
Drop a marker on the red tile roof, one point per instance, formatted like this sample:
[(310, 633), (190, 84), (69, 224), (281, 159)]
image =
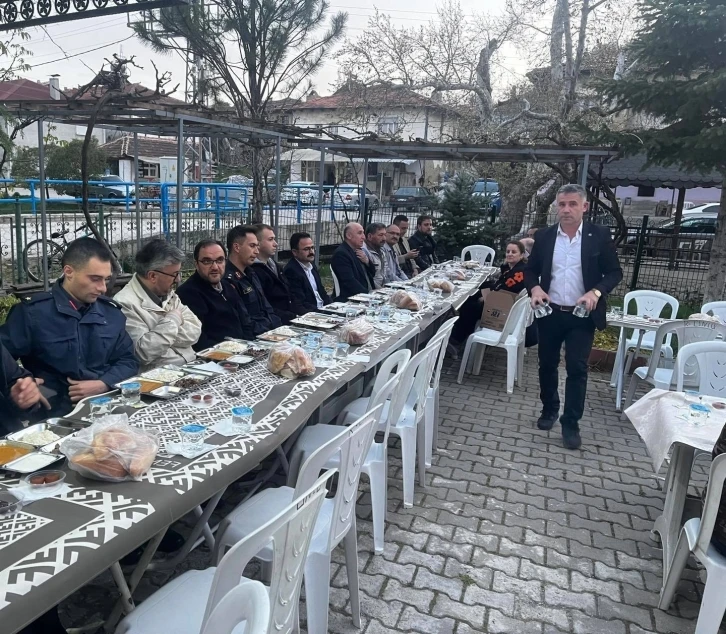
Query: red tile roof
[(358, 95), (23, 89)]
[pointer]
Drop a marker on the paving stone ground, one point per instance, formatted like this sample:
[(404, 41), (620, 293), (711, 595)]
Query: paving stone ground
[(512, 534)]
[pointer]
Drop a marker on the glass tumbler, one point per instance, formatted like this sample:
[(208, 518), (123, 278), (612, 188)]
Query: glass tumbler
[(242, 419), (192, 437), (698, 414), (581, 311), (350, 313), (341, 350), (131, 392), (543, 310), (99, 407)]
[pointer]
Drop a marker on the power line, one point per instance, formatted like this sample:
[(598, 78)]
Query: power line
[(90, 50)]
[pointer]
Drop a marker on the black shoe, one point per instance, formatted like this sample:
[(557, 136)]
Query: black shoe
[(171, 542), (571, 439), (546, 421)]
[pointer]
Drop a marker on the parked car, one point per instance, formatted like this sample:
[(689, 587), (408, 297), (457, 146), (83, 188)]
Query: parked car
[(707, 208), (307, 191), (348, 195), (411, 198), (109, 188), (488, 191), (693, 243)]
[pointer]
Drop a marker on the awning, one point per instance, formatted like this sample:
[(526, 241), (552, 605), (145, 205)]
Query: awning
[(314, 155)]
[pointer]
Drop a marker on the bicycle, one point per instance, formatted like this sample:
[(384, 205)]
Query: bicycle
[(33, 255)]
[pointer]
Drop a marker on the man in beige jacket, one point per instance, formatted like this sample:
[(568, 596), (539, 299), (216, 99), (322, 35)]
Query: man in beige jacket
[(162, 328)]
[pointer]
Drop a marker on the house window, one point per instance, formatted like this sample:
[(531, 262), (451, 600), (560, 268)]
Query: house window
[(388, 126), (646, 192), (148, 170), (310, 171)]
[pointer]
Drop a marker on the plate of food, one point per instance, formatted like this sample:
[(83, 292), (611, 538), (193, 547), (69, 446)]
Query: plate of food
[(191, 381), (258, 351), (147, 385), (283, 333), (212, 354), (364, 297), (324, 322), (167, 392), (235, 347), (164, 375), (41, 434), (239, 359), (339, 308)]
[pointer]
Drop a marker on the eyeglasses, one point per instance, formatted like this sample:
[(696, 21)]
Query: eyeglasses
[(209, 261), (176, 275)]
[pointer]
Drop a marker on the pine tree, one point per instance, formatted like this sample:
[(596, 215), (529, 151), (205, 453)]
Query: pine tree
[(679, 82), (465, 219)]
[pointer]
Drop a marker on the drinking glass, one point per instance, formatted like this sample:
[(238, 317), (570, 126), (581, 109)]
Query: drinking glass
[(385, 314), (99, 407), (131, 392), (350, 313), (192, 437), (242, 419), (617, 311), (341, 350), (457, 258), (370, 312), (325, 357), (581, 311), (698, 414), (543, 310)]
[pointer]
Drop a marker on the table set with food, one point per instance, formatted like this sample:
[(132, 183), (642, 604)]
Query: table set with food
[(78, 493)]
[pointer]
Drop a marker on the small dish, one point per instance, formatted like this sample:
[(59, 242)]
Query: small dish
[(229, 366), (240, 359), (166, 392), (718, 405), (46, 481), (201, 400), (234, 392), (9, 505)]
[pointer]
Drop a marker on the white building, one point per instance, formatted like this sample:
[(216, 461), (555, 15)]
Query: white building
[(355, 111)]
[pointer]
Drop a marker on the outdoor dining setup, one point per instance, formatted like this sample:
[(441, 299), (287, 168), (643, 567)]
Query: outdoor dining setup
[(319, 396)]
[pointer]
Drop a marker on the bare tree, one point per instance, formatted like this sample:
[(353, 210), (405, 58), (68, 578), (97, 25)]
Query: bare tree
[(256, 50)]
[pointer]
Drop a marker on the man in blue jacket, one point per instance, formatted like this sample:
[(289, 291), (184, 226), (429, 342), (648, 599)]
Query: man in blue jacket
[(73, 336)]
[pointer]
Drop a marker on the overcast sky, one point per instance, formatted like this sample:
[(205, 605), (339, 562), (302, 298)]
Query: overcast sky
[(87, 42)]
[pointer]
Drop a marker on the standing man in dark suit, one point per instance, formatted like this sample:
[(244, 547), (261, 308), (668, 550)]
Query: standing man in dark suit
[(572, 263), (351, 265), (307, 292), (273, 283)]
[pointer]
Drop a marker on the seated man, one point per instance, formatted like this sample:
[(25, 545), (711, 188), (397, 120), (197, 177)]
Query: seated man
[(350, 265), (375, 239), (406, 255), (273, 282), (18, 392), (73, 336), (393, 268), (162, 328), (306, 288), (243, 251), (213, 299), (423, 242)]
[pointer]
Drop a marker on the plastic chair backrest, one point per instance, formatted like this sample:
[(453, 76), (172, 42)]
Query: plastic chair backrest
[(717, 308), (289, 534), (516, 320), (352, 445), (712, 501), (686, 331), (651, 303), (336, 284), (248, 603), (480, 253), (387, 392), (392, 365), (709, 370), (441, 339)]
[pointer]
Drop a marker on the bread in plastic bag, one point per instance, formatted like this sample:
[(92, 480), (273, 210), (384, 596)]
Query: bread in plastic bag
[(356, 332), (111, 450), (406, 299), (457, 274), (445, 285), (290, 361), (705, 317)]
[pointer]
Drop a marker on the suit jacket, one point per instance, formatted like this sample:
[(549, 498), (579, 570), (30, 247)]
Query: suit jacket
[(353, 276), (426, 247), (600, 266), (222, 314), (301, 293), (275, 289)]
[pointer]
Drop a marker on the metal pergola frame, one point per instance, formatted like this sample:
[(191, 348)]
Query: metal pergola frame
[(152, 118)]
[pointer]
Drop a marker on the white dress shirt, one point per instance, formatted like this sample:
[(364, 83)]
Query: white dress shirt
[(308, 268), (567, 285)]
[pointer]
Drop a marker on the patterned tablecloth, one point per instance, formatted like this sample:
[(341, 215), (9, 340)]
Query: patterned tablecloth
[(56, 545)]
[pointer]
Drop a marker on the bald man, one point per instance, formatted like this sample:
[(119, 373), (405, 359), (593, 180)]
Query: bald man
[(351, 267)]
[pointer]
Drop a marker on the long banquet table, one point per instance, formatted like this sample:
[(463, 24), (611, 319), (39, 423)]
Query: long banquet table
[(56, 545)]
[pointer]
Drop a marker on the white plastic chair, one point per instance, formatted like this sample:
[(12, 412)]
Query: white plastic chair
[(335, 524), (703, 364), (511, 338), (695, 538), (409, 426), (186, 604), (336, 284), (440, 339), (482, 254), (375, 465), (717, 308), (646, 303), (687, 332), (248, 603)]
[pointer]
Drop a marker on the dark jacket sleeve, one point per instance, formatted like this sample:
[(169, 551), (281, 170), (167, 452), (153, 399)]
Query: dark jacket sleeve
[(612, 272), (276, 292), (266, 306), (533, 269), (15, 334), (123, 362), (297, 285), (343, 269), (321, 288), (194, 302)]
